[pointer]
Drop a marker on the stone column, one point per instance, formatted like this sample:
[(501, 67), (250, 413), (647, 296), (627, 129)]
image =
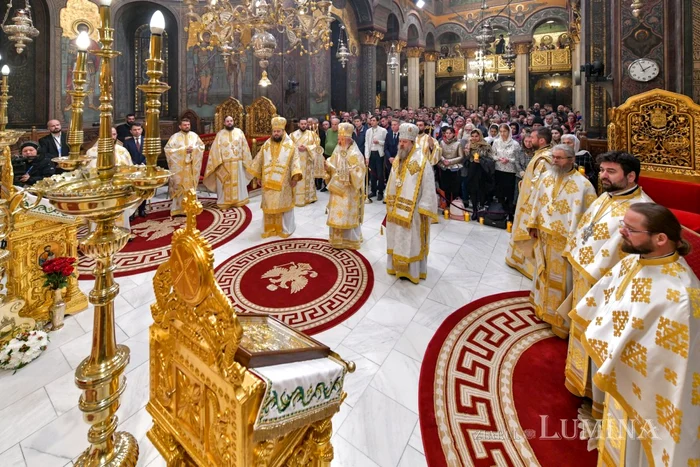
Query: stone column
[(578, 93), (522, 74), (429, 79), (413, 54), (472, 93), (369, 40), (393, 80)]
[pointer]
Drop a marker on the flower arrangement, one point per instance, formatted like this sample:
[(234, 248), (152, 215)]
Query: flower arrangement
[(23, 349), (57, 271)]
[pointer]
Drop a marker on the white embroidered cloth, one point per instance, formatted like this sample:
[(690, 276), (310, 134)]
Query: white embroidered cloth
[(298, 393)]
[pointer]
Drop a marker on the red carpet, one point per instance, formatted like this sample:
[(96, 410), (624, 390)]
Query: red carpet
[(491, 390), (304, 282), (153, 236)]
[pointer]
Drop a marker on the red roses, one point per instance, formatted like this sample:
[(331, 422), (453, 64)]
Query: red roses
[(57, 271)]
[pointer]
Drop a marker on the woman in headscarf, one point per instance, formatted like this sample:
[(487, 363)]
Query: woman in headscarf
[(505, 152), (480, 172), (523, 159), (515, 131), (583, 159), (493, 134)]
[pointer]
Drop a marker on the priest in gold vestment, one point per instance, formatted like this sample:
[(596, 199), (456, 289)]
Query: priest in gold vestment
[(411, 207), (560, 200), (345, 179), (593, 250), (184, 152), (277, 167), (430, 145), (309, 145), (642, 331), (519, 255), (229, 156)]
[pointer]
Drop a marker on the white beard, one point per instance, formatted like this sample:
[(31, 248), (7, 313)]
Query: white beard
[(403, 153)]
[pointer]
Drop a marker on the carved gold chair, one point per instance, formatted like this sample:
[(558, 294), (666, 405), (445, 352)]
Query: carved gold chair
[(662, 129), (232, 107), (258, 125), (203, 401)]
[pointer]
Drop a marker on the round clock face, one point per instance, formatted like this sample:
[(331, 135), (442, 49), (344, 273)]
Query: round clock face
[(643, 70)]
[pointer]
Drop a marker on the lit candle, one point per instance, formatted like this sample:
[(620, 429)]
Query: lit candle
[(446, 213), (466, 217), (4, 88)]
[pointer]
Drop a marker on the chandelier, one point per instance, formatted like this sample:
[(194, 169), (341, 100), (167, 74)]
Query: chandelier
[(393, 59), (636, 8), (305, 24), (22, 31), (486, 36), (478, 68), (509, 55), (343, 54)]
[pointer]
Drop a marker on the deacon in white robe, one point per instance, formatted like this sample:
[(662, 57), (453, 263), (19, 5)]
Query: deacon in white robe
[(593, 250), (277, 167), (345, 179), (184, 152), (642, 331), (309, 145), (229, 157), (411, 206)]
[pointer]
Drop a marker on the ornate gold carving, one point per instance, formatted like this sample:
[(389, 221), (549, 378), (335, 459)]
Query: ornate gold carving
[(79, 12), (258, 122), (547, 61), (414, 52), (431, 56), (11, 323), (662, 129), (371, 37), (231, 107), (261, 337), (447, 67), (521, 48)]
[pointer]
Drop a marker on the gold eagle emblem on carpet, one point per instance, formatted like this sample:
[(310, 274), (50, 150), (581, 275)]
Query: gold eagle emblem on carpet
[(290, 276)]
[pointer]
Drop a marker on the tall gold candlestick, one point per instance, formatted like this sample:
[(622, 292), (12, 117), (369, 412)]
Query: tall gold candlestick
[(105, 145), (4, 97), (7, 138), (78, 94)]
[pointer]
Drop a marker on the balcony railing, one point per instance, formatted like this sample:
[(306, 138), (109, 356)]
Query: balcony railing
[(547, 61)]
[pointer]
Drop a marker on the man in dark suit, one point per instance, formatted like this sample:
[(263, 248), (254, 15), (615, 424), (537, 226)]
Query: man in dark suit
[(358, 135), (391, 146), (135, 147), (124, 130), (31, 166), (55, 143)]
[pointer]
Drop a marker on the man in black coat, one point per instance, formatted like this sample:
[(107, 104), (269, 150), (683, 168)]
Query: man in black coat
[(358, 135), (55, 143), (391, 146), (32, 166), (124, 130), (134, 145)]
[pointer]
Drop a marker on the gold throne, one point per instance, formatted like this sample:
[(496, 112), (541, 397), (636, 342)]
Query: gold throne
[(204, 403), (258, 120), (232, 107)]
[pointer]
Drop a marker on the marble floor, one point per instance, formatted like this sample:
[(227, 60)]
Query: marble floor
[(41, 425)]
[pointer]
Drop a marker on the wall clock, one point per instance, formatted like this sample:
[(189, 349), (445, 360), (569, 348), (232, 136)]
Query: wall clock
[(643, 70)]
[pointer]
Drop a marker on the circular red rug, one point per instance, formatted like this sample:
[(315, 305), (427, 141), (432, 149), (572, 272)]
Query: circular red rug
[(153, 236), (491, 390), (304, 282)]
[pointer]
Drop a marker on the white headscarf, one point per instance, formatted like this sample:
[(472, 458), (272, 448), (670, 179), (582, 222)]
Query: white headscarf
[(577, 143)]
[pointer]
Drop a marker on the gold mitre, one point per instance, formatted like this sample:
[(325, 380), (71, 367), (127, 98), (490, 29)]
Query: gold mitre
[(279, 123), (345, 129)]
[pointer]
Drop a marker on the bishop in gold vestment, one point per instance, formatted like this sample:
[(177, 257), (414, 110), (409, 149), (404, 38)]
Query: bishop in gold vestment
[(184, 152), (411, 206), (229, 156), (277, 167), (593, 250), (642, 331), (345, 179), (430, 145), (560, 200), (520, 254), (309, 145)]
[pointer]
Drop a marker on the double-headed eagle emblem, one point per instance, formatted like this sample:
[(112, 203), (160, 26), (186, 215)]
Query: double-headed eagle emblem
[(291, 276)]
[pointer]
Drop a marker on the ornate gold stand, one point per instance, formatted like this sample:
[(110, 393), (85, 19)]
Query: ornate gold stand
[(101, 196)]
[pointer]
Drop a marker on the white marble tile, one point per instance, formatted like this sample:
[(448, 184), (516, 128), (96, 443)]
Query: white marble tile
[(138, 350), (24, 417), (398, 379), (501, 281), (78, 349), (333, 336), (416, 440), (12, 457), (379, 427), (340, 416), (138, 425), (139, 296), (377, 243), (392, 314), (135, 395), (453, 291), (431, 314), (63, 392), (380, 274), (15, 386), (450, 237), (356, 383), (414, 341), (408, 293), (136, 321), (443, 248), (71, 330), (412, 458), (58, 442), (347, 455), (484, 290)]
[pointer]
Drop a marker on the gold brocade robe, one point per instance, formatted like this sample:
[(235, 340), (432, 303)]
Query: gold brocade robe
[(121, 156), (185, 168), (229, 156), (346, 183), (276, 165), (411, 204), (305, 192), (519, 255), (558, 204), (593, 250), (434, 155), (642, 330)]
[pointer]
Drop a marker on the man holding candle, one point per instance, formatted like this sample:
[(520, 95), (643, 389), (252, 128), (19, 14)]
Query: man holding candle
[(184, 154)]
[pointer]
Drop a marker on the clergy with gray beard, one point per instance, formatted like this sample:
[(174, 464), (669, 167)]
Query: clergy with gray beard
[(411, 204)]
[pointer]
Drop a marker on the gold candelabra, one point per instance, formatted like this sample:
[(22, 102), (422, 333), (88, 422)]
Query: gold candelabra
[(7, 137), (101, 195)]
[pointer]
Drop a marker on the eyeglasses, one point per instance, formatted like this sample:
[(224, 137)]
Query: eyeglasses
[(561, 158), (626, 227)]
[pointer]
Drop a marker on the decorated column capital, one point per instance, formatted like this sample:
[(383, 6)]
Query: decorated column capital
[(521, 48), (431, 56), (398, 46), (371, 37), (414, 52)]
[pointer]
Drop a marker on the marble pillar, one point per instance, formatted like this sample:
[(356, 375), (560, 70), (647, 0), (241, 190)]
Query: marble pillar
[(413, 54), (578, 93), (522, 74), (429, 79), (472, 93), (369, 40)]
